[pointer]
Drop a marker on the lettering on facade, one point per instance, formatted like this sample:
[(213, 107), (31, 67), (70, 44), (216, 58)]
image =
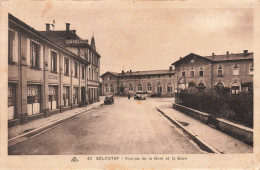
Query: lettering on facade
[(76, 41), (53, 77)]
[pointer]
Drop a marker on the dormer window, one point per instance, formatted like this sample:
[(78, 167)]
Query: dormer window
[(236, 70), (183, 72)]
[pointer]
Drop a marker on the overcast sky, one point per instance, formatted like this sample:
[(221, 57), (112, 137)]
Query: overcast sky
[(150, 38)]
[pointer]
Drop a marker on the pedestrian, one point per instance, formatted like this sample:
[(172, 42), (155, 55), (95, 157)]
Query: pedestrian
[(129, 96)]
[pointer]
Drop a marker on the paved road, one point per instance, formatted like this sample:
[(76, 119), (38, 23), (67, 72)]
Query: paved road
[(127, 127)]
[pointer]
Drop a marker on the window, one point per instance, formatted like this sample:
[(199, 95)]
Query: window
[(33, 99), (251, 70), (111, 88), (220, 84), (35, 58), (139, 87), (183, 73), (169, 88), (201, 87), (236, 70), (76, 69), (235, 88), (159, 88), (11, 101), (192, 73), (201, 72), (106, 87), (53, 97), (131, 88), (149, 87), (220, 71), (10, 46), (191, 84), (75, 95), (53, 61), (66, 66), (66, 97), (83, 72)]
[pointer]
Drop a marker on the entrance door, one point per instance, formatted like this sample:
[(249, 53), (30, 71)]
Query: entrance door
[(33, 99), (11, 101), (83, 95)]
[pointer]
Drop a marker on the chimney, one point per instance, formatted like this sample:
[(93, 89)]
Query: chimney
[(170, 68), (47, 27), (213, 55), (123, 72), (130, 71), (180, 58), (245, 51), (227, 53), (67, 26)]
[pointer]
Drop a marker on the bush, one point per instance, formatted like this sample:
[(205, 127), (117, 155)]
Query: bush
[(220, 103)]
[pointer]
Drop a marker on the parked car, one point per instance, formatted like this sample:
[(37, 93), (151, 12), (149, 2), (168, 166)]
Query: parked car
[(156, 95), (109, 100), (141, 95)]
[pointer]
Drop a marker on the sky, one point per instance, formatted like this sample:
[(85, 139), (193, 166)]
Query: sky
[(149, 38)]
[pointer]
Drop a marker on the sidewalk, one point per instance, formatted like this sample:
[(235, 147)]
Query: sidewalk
[(216, 139), (19, 133)]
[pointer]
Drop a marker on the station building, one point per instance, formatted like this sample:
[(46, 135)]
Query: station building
[(45, 77), (234, 71), (124, 83)]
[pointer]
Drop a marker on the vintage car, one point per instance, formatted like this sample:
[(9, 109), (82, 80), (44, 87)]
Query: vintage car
[(141, 95), (109, 100)]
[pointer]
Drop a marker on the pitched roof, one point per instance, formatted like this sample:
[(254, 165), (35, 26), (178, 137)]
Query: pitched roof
[(150, 72), (231, 57), (60, 37), (109, 72), (219, 58), (190, 55), (139, 73)]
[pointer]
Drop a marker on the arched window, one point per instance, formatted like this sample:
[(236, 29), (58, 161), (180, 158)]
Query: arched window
[(131, 87), (122, 88), (235, 88), (149, 87), (112, 88), (201, 86), (106, 87), (169, 88), (220, 84), (139, 87), (220, 71), (235, 70), (159, 88)]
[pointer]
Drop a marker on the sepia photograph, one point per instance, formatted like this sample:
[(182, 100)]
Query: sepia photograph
[(102, 80)]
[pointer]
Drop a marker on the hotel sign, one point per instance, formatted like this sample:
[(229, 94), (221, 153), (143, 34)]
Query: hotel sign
[(76, 41)]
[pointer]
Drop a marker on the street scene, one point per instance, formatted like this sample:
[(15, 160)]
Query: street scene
[(78, 88), (126, 127)]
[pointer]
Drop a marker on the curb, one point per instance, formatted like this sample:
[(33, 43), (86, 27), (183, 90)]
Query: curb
[(202, 144), (27, 135)]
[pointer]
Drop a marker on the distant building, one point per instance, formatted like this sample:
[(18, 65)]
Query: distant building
[(154, 82), (234, 71), (46, 77)]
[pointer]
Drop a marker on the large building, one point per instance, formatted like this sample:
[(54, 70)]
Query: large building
[(45, 76), (234, 71), (124, 83)]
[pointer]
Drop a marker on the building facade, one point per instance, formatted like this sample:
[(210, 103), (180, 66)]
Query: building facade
[(234, 71), (154, 82), (44, 77)]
